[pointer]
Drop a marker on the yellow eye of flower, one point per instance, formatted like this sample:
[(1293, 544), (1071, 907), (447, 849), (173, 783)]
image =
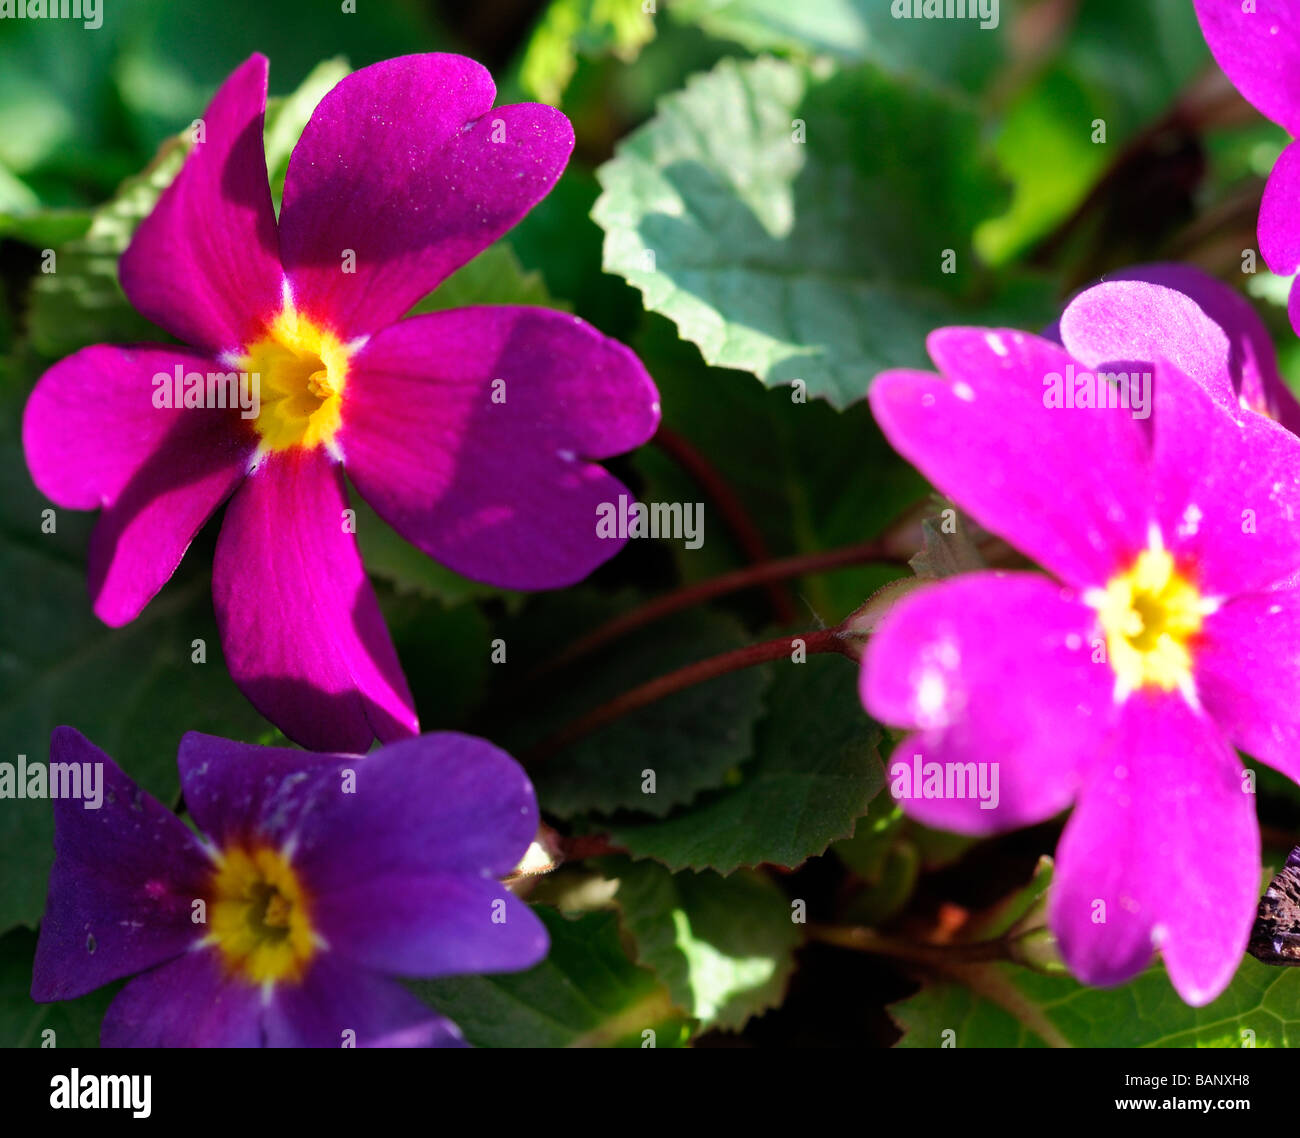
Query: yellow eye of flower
[(301, 372), (259, 916), (1151, 615)]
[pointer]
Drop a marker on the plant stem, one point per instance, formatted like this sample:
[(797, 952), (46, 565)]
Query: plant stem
[(818, 640), (731, 508), (780, 569), (868, 940)]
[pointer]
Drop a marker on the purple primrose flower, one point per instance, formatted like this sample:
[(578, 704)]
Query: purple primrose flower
[(471, 431), (1165, 636), (315, 879)]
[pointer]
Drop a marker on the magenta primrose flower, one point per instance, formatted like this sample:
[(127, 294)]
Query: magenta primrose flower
[(1164, 637), (315, 879), (471, 431), (1258, 47)]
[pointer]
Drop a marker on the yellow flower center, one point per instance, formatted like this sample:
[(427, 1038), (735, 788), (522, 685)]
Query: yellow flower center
[(259, 916), (1151, 614), (301, 371)]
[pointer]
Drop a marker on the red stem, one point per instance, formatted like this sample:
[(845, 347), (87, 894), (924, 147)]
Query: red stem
[(818, 640), (777, 570), (731, 508)]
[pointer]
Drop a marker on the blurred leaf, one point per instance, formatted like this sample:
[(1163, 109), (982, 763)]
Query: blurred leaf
[(819, 261), (163, 88), (1119, 62), (946, 548), (692, 740), (59, 126), (1002, 1005), (495, 276), (580, 27), (880, 900), (876, 833), (81, 302), (724, 946), (75, 1023), (45, 228), (1007, 914), (954, 51), (814, 772), (586, 993)]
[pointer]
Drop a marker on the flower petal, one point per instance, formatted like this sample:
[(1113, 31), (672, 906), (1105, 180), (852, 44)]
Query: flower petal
[(443, 801), (1227, 488), (93, 437), (1259, 50), (125, 875), (1279, 225), (335, 998), (1252, 362), (995, 669), (1162, 850), (1066, 486), (469, 431), (300, 626), (189, 1002), (205, 263), (403, 168), (1123, 325), (426, 924), (235, 791), (90, 423), (1248, 672)]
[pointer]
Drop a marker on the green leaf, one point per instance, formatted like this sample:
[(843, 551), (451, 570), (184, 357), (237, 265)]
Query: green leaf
[(586, 993), (692, 740), (45, 228), (957, 51), (590, 28), (1002, 1005), (81, 302), (495, 276), (817, 260), (74, 1023), (876, 834), (810, 478), (161, 86), (946, 548), (814, 772), (724, 946), (446, 654)]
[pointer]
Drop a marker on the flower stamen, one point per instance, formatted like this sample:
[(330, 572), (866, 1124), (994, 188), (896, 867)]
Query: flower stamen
[(301, 370), (259, 916), (1151, 615)]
